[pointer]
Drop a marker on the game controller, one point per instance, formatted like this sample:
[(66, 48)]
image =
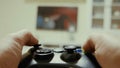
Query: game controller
[(70, 56)]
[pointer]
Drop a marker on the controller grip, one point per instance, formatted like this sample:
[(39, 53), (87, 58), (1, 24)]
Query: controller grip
[(93, 59), (25, 61)]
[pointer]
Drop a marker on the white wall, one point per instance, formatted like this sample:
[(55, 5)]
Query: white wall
[(18, 14)]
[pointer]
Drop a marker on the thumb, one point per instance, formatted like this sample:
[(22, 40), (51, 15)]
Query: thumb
[(92, 43), (24, 37)]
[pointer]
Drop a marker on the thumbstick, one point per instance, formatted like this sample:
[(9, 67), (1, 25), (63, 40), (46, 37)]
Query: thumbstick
[(43, 55), (36, 46), (70, 55), (70, 49)]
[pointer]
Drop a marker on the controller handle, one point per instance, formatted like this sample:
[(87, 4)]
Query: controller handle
[(38, 54), (28, 56)]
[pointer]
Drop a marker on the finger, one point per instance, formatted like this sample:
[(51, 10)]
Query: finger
[(25, 37), (91, 44)]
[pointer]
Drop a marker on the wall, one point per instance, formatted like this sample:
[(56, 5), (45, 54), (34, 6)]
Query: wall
[(18, 14)]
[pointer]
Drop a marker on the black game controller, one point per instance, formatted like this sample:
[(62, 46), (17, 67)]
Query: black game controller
[(70, 57)]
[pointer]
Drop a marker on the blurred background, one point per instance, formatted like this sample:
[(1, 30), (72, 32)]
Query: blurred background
[(89, 16)]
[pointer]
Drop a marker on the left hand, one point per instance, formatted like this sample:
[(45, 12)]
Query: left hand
[(11, 48)]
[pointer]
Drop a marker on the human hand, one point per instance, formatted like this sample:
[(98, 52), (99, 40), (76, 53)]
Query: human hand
[(11, 48), (106, 49)]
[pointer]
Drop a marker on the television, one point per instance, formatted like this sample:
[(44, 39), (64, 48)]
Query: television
[(57, 18)]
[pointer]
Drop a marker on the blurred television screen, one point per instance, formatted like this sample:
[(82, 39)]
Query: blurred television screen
[(57, 18)]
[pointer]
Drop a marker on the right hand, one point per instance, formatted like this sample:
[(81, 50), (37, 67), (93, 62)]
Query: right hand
[(106, 49)]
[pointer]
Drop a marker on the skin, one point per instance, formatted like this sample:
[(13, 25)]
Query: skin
[(11, 48), (105, 48)]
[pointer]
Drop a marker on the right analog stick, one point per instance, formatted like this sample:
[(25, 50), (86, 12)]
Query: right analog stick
[(69, 55)]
